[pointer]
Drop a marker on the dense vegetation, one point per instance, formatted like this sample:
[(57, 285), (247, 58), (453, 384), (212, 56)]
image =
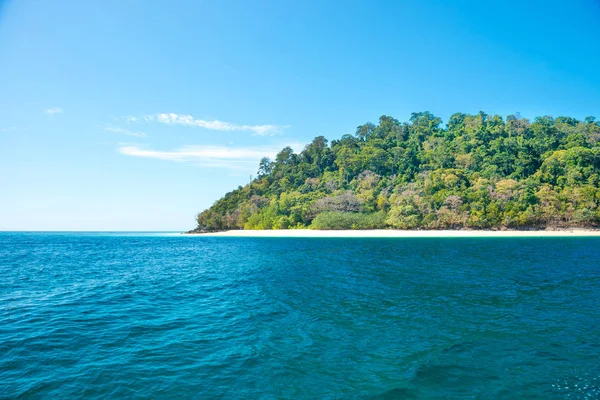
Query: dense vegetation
[(478, 172)]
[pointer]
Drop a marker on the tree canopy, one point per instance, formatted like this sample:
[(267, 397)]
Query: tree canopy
[(479, 172)]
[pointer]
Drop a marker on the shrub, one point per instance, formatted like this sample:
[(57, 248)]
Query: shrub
[(348, 220)]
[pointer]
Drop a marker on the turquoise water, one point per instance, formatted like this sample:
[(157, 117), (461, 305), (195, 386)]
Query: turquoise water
[(150, 315)]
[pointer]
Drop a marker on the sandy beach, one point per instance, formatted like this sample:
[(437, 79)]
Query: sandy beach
[(389, 233)]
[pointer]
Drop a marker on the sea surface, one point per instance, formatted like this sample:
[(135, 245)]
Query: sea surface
[(88, 315)]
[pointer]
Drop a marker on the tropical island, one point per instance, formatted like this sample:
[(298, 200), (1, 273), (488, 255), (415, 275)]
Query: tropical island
[(477, 172)]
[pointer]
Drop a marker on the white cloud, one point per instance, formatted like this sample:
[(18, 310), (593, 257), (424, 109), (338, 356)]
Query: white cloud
[(53, 110), (8, 129), (125, 131), (188, 120), (130, 119), (209, 156)]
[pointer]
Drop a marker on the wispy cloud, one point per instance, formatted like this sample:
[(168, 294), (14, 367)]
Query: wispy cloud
[(129, 119), (53, 110), (209, 156), (8, 129), (188, 120), (125, 131)]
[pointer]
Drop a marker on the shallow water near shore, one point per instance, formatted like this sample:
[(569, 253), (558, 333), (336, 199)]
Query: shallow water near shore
[(151, 315)]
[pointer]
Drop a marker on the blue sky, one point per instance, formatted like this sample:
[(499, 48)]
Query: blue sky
[(136, 115)]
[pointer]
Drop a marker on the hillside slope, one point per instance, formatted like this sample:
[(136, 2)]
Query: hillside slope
[(478, 171)]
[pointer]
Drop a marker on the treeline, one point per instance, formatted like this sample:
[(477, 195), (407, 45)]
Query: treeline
[(478, 171)]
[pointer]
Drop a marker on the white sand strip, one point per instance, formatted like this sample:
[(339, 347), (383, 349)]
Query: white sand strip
[(390, 233)]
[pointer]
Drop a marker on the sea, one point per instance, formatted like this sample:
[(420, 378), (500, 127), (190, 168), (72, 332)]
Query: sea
[(167, 316)]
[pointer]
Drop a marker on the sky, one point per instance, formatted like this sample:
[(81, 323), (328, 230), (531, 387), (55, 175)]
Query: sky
[(136, 115)]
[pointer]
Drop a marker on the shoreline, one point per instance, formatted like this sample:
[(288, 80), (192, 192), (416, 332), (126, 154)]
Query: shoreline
[(391, 233)]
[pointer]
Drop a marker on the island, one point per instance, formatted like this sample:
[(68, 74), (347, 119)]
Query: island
[(477, 172)]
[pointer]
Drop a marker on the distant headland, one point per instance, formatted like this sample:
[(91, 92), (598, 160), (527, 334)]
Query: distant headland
[(477, 172)]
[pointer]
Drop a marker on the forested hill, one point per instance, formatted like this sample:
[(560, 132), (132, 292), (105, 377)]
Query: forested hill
[(478, 171)]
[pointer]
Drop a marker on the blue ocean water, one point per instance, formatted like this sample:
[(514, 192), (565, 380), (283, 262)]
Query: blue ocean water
[(159, 316)]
